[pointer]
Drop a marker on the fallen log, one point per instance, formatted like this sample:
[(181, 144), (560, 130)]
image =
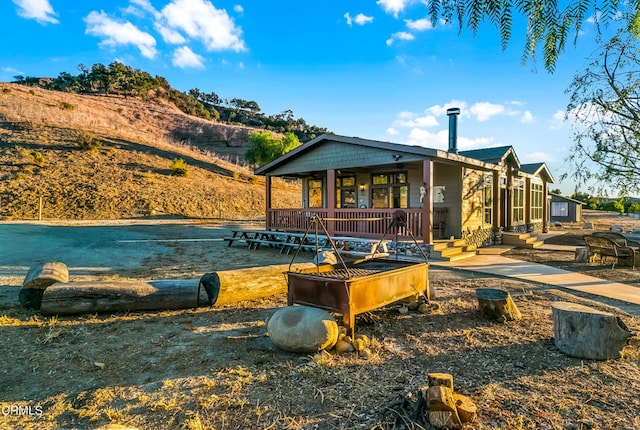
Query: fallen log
[(230, 286), (37, 279), (584, 332), (112, 296), (497, 304)]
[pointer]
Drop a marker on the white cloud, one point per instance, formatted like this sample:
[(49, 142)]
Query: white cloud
[(185, 58), (392, 131), (419, 24), (238, 9), (440, 140), (40, 10), (527, 117), (557, 120), (401, 35), (169, 35), (409, 119), (116, 33), (538, 157), (200, 20), (485, 110), (359, 19), (394, 7)]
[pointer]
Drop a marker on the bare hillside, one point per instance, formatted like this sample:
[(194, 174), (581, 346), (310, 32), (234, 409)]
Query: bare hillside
[(128, 173)]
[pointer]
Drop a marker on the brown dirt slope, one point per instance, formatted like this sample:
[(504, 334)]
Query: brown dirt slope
[(130, 174)]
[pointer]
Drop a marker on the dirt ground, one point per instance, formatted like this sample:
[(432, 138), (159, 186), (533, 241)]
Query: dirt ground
[(215, 368)]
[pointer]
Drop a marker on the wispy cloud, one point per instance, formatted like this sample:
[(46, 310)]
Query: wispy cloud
[(200, 20), (409, 119), (238, 9), (485, 110), (557, 120), (359, 19), (419, 24), (394, 7), (40, 10), (440, 140), (401, 35), (185, 58), (115, 33), (527, 117), (538, 157)]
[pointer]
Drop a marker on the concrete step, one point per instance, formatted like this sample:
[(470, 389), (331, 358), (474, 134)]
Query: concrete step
[(536, 244), (462, 255), (439, 245), (515, 239), (448, 252), (509, 234)]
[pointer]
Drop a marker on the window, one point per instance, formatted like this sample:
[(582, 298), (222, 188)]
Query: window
[(315, 193), (560, 209), (389, 190), (537, 202), (346, 195), (518, 201), (487, 200)]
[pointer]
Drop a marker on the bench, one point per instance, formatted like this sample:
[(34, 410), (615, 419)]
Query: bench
[(603, 248), (618, 238)]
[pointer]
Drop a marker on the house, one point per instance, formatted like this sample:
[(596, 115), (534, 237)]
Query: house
[(357, 185), (565, 209)]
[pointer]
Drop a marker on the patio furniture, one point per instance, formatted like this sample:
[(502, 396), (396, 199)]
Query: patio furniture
[(604, 248)]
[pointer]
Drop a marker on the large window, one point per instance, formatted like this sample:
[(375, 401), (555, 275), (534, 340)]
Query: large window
[(346, 194), (487, 200), (389, 190), (560, 209), (315, 193), (537, 202), (518, 201)]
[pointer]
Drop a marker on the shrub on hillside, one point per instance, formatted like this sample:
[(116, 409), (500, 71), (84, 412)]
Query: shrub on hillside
[(613, 206), (66, 106), (88, 142), (37, 157), (179, 167)]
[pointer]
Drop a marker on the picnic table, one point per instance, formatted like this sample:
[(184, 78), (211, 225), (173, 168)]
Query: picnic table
[(286, 241)]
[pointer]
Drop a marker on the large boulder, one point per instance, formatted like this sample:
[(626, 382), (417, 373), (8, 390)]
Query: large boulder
[(302, 329)]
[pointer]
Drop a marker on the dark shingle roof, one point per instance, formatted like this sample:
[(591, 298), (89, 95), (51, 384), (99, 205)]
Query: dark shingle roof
[(489, 155)]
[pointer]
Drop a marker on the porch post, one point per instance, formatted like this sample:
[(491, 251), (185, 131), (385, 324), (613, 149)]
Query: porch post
[(509, 197), (546, 219), (497, 217), (527, 201), (331, 199), (427, 201), (267, 182)]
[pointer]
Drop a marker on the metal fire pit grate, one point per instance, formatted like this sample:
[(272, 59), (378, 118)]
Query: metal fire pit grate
[(357, 271)]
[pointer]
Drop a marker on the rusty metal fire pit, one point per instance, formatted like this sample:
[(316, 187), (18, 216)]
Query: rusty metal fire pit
[(357, 287)]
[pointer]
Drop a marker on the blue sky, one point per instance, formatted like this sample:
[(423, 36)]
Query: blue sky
[(373, 69)]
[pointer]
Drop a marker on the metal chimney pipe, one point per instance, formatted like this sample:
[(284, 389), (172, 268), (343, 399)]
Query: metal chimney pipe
[(453, 113)]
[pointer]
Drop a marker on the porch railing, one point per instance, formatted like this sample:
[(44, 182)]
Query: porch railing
[(348, 222)]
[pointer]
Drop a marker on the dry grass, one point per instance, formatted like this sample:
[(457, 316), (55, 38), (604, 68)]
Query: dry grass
[(110, 158)]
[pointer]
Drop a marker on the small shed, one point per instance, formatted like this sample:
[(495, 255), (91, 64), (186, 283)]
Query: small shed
[(565, 209)]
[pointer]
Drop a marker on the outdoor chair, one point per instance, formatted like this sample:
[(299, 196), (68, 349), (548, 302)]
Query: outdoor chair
[(604, 248)]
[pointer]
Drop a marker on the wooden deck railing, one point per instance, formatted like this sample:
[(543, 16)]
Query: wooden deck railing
[(349, 222)]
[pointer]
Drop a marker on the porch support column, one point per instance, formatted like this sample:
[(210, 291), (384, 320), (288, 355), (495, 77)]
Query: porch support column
[(331, 200), (496, 219), (509, 202), (527, 201), (546, 220), (267, 182), (427, 201)]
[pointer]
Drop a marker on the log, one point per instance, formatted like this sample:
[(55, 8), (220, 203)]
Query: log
[(467, 409), (584, 332), (38, 278), (497, 304), (230, 286), (444, 379), (112, 296)]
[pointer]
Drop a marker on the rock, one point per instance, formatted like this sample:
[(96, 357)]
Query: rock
[(557, 224), (635, 231), (325, 257), (616, 229), (302, 329), (588, 226), (343, 346)]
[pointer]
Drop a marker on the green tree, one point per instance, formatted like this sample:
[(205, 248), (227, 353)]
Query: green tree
[(549, 22), (264, 147), (605, 108)]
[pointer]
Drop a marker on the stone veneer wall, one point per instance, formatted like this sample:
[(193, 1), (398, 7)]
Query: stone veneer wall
[(479, 237)]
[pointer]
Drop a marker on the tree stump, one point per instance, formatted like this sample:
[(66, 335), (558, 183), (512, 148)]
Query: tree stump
[(497, 304), (38, 278), (584, 332), (582, 254)]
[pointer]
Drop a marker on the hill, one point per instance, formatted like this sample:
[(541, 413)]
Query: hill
[(128, 172)]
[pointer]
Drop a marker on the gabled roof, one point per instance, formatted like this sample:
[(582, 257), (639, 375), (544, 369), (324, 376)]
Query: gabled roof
[(420, 151), (496, 155), (567, 198), (537, 169)]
